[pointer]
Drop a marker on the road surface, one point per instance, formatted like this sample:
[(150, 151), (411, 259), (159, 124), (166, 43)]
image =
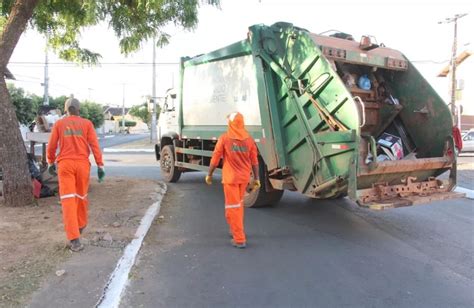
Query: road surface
[(107, 141), (300, 253)]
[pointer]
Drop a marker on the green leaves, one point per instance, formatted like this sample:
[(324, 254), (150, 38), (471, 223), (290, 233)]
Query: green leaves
[(93, 112), (133, 21), (141, 112), (3, 20), (25, 105)]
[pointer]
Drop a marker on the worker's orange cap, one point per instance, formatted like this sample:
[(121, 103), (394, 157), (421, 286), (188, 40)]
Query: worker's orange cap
[(236, 126)]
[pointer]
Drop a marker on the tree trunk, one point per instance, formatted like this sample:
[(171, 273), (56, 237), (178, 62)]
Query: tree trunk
[(17, 188)]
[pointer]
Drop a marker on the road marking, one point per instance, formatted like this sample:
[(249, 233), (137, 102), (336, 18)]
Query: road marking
[(109, 136), (469, 192), (110, 150), (118, 280)]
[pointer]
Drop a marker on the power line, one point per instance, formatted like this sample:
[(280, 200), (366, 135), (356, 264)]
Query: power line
[(20, 80), (26, 76)]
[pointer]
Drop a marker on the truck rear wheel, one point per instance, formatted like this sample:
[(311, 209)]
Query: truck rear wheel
[(169, 171), (261, 197)]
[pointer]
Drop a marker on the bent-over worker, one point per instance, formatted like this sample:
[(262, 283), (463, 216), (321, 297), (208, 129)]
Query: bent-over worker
[(76, 136), (239, 154)]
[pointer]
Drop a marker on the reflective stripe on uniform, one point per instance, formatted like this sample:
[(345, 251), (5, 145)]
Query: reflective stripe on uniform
[(232, 206), (68, 196), (81, 197), (73, 196)]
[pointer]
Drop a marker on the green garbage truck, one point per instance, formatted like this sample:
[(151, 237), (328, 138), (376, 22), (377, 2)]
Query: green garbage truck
[(331, 117)]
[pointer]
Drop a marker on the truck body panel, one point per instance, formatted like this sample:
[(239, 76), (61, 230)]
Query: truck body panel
[(315, 133)]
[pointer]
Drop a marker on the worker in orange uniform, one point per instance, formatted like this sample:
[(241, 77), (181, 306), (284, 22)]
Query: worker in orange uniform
[(76, 136), (239, 154)]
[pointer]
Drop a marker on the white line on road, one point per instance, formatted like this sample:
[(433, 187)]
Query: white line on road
[(118, 280), (109, 150), (109, 136), (469, 192)]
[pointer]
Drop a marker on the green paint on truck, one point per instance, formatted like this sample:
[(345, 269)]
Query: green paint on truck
[(316, 129)]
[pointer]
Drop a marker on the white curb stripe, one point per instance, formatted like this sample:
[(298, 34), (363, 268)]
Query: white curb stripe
[(110, 150), (469, 193), (118, 280)]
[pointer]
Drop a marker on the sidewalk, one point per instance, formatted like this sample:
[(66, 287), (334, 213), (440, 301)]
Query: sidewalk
[(466, 171), (33, 253)]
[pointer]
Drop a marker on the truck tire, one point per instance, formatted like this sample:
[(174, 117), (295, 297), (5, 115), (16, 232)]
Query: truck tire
[(261, 197), (169, 171)]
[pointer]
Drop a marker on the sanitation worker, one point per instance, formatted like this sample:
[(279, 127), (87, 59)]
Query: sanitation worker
[(239, 154), (76, 137)]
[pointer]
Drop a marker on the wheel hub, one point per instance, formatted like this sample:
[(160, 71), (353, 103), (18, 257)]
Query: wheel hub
[(166, 163)]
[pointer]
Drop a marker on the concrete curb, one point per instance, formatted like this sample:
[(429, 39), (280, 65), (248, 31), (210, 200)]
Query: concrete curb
[(118, 280), (111, 150), (469, 193)]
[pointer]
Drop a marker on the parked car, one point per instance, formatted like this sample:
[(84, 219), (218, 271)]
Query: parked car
[(468, 141)]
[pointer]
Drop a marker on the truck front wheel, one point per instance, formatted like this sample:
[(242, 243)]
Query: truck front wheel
[(169, 171), (261, 197)]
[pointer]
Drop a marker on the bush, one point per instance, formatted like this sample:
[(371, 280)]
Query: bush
[(93, 112), (128, 123), (27, 106)]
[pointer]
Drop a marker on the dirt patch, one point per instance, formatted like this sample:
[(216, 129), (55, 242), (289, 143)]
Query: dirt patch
[(33, 242)]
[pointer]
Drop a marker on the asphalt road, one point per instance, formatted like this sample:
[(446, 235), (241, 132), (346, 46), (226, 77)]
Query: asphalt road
[(118, 139), (301, 253)]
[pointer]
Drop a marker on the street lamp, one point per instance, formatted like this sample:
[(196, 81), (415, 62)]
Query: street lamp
[(456, 115)]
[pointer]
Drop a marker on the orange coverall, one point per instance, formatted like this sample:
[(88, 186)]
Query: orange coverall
[(76, 136), (239, 153)]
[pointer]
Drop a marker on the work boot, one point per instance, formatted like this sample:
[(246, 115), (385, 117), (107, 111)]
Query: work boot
[(238, 245), (76, 245)]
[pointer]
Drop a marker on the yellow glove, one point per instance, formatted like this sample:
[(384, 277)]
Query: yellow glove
[(256, 185), (208, 179)]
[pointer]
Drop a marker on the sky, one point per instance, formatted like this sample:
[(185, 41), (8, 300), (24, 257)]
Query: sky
[(410, 26)]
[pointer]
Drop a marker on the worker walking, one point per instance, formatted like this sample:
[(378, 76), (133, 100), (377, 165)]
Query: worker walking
[(75, 136), (239, 154)]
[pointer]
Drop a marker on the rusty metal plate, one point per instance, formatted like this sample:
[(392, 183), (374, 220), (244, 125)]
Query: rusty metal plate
[(383, 196), (412, 200)]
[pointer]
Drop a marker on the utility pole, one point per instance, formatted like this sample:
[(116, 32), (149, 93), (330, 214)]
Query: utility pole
[(454, 110), (123, 107), (153, 97), (46, 77)]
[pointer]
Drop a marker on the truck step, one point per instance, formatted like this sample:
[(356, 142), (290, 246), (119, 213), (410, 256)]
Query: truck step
[(411, 200)]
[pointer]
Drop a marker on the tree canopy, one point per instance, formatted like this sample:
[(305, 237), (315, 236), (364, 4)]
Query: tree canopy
[(142, 112), (93, 112), (27, 106), (133, 21)]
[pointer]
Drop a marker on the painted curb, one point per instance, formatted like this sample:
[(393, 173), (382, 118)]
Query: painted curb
[(110, 150), (469, 193), (118, 281)]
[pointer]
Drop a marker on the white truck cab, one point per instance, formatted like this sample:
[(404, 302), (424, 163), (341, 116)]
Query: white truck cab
[(168, 121)]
